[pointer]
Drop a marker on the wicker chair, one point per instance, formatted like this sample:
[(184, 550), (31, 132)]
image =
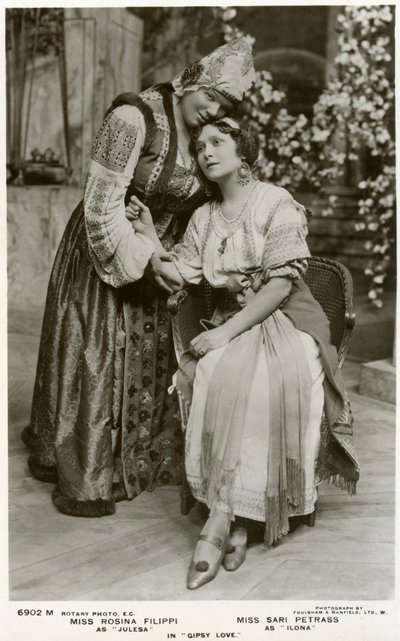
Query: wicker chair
[(329, 282)]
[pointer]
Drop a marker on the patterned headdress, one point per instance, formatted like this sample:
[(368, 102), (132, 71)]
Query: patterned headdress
[(229, 69)]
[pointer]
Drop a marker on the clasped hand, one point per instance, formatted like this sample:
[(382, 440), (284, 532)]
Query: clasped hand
[(209, 340), (160, 270), (139, 215)]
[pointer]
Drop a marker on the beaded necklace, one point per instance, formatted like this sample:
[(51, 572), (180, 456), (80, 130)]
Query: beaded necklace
[(238, 220)]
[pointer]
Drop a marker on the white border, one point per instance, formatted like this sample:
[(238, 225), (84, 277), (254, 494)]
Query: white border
[(194, 617)]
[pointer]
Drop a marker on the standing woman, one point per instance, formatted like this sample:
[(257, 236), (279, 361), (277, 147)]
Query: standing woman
[(103, 427)]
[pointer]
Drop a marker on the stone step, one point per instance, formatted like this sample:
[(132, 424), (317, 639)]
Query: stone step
[(339, 245), (373, 336), (337, 227), (378, 380)]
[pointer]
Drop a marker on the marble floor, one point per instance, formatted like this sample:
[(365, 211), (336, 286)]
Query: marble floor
[(143, 551)]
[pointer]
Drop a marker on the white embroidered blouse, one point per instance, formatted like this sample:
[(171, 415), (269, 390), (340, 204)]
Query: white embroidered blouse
[(270, 241), (119, 254)]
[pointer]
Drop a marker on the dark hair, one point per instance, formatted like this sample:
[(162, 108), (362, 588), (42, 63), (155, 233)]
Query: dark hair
[(246, 137)]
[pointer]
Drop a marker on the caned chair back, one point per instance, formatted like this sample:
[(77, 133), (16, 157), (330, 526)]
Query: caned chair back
[(331, 285)]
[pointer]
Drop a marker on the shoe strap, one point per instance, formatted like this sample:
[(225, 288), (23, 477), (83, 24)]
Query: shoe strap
[(214, 540)]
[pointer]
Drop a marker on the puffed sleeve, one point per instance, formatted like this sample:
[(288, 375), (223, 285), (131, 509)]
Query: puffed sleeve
[(285, 251), (119, 254), (187, 254)]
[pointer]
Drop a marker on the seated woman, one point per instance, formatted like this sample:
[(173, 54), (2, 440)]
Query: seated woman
[(269, 415)]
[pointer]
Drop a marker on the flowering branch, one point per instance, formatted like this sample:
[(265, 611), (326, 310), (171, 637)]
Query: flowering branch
[(285, 140), (352, 120), (351, 123)]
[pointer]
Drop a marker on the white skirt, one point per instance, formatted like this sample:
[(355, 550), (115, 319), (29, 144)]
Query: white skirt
[(249, 487)]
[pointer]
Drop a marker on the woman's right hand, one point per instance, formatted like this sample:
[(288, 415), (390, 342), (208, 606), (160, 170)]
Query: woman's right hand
[(161, 271), (209, 340), (139, 215), (136, 210)]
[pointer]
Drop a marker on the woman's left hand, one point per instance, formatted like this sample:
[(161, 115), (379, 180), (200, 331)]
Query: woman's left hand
[(209, 340)]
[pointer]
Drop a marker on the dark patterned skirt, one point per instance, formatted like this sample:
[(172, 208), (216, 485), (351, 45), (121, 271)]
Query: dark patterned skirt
[(103, 426)]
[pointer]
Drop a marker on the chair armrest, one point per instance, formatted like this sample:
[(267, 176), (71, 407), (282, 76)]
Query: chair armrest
[(349, 322), (350, 319), (174, 301), (349, 315)]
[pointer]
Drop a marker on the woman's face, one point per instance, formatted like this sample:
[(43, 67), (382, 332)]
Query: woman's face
[(203, 105), (217, 154)]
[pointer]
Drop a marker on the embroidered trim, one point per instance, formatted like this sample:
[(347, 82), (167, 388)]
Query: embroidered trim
[(282, 202), (284, 243), (151, 95), (207, 232), (181, 182), (162, 225), (252, 506), (113, 143), (293, 269), (161, 185), (249, 248), (163, 126), (101, 251)]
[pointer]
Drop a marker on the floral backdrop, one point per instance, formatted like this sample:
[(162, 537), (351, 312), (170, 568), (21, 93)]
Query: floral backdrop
[(349, 139)]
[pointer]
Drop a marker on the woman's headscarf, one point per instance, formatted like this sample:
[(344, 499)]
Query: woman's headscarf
[(229, 70)]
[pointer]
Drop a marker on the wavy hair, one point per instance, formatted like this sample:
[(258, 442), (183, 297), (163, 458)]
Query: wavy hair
[(244, 134)]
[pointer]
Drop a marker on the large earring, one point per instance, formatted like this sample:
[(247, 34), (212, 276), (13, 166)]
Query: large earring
[(244, 174)]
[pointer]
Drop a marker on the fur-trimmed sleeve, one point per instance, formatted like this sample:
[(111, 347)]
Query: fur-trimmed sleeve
[(119, 254)]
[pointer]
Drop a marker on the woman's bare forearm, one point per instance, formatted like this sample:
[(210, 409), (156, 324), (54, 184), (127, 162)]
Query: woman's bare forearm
[(264, 303), (149, 232), (161, 262)]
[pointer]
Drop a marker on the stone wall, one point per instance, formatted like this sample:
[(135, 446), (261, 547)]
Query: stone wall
[(36, 219), (103, 56), (45, 124), (103, 50), (334, 236)]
